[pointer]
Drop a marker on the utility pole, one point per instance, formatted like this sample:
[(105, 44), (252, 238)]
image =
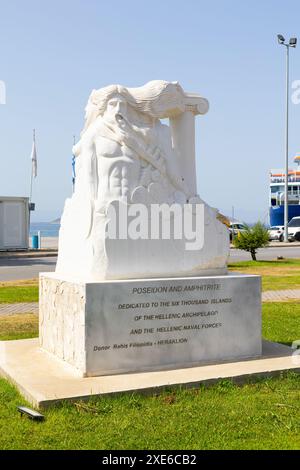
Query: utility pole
[(292, 43)]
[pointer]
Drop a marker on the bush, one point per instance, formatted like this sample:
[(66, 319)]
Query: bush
[(252, 238)]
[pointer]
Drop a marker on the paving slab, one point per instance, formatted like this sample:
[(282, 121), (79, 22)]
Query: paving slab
[(19, 308), (45, 380), (280, 295), (33, 307)]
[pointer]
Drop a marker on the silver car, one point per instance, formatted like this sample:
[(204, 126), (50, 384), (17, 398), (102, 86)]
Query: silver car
[(276, 233)]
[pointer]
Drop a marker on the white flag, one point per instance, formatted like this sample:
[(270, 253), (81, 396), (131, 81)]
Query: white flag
[(34, 160)]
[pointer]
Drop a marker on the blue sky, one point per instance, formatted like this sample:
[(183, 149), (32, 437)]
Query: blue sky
[(52, 54)]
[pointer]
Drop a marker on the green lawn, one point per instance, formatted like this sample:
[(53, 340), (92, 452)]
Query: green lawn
[(12, 294), (283, 263), (261, 414), (277, 283), (281, 323), (276, 275)]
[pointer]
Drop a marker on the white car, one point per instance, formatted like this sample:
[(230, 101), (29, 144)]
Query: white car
[(294, 229), (276, 233)]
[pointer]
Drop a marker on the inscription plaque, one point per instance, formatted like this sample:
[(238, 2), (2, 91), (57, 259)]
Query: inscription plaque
[(137, 325)]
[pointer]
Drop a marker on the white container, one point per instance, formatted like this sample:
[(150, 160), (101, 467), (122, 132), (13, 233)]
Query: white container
[(14, 223)]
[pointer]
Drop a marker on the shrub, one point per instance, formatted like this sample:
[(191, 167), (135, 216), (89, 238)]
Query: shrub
[(252, 238)]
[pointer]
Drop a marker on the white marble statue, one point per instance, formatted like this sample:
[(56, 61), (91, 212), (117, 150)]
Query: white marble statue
[(129, 161)]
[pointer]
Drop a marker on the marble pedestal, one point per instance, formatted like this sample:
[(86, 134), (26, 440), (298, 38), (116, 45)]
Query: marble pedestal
[(113, 327)]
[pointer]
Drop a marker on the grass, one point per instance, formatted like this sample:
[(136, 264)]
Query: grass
[(18, 326), (260, 415), (276, 275), (19, 291), (281, 323)]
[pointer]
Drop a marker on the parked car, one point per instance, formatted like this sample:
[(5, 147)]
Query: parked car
[(294, 229), (276, 233), (235, 228)]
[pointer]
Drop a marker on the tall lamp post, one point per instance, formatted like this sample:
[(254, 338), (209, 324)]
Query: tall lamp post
[(292, 43)]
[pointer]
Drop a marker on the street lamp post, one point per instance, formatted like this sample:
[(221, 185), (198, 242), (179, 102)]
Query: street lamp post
[(292, 43)]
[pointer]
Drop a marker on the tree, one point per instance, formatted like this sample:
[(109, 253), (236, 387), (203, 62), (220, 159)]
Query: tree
[(252, 238)]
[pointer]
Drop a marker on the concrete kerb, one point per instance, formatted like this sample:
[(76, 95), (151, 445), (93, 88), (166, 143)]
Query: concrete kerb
[(275, 245), (28, 254)]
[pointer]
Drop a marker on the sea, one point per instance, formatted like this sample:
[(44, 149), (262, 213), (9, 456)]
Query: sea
[(47, 229)]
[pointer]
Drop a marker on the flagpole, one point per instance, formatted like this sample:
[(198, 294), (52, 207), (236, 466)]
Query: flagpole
[(31, 181), (73, 167), (31, 178)]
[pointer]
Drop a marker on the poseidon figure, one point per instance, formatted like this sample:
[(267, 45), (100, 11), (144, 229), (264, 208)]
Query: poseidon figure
[(124, 147)]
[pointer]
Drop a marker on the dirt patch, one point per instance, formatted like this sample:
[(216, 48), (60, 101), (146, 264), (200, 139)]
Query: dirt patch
[(22, 282), (269, 271), (14, 325)]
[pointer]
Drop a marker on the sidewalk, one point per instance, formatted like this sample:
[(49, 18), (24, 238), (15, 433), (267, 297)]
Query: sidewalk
[(280, 295), (49, 247), (33, 307), (20, 308), (275, 245)]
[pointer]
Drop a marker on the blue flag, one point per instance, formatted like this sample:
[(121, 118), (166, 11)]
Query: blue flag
[(73, 170)]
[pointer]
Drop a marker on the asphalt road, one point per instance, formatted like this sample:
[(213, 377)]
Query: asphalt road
[(28, 268), (267, 253), (25, 268)]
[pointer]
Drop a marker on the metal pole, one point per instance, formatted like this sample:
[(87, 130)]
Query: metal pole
[(31, 177), (73, 166), (30, 195), (286, 202), (232, 238)]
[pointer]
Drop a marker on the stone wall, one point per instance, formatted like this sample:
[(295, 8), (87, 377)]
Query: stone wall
[(62, 320)]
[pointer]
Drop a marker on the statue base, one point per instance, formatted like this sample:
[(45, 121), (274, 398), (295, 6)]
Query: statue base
[(113, 327)]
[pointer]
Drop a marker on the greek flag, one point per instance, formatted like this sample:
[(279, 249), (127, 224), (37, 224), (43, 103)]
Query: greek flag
[(73, 171)]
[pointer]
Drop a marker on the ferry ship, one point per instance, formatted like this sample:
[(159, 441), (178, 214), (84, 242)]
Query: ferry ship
[(277, 180)]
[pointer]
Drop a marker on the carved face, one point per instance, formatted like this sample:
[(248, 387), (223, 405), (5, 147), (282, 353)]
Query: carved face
[(115, 105)]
